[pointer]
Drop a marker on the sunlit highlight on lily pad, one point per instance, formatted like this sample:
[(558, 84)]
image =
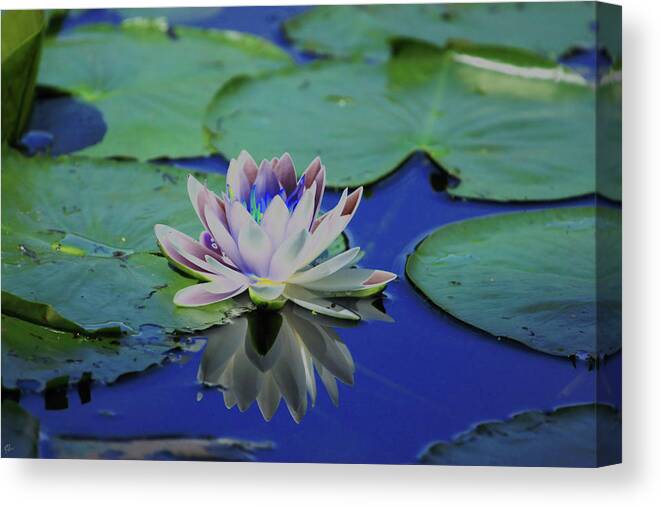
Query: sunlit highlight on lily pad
[(262, 235)]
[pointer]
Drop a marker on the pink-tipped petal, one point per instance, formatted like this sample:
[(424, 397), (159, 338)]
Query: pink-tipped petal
[(333, 225), (197, 195), (166, 237), (316, 173), (199, 295), (248, 166), (352, 202), (286, 173), (201, 198), (350, 280)]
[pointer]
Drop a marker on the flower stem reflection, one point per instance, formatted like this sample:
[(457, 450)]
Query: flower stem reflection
[(266, 356)]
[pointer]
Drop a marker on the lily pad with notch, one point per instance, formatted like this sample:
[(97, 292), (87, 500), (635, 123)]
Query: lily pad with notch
[(510, 125), (78, 246), (150, 82), (534, 277)]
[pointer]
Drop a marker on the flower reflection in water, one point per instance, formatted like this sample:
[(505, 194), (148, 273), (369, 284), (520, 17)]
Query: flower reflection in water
[(265, 356)]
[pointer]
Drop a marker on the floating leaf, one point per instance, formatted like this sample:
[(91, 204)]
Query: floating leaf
[(530, 276), (574, 436), (20, 432), (157, 448), (33, 353), (508, 124), (152, 84), (547, 28), (22, 34), (174, 15), (77, 236)]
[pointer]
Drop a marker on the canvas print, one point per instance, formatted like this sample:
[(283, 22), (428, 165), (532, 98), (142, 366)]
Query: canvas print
[(385, 234)]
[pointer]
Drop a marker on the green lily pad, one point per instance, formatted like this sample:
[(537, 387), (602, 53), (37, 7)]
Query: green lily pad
[(20, 432), (22, 34), (547, 28), (573, 436), (38, 354), (510, 125), (534, 277), (78, 246), (152, 84)]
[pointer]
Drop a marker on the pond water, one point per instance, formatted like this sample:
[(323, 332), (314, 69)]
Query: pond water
[(424, 377)]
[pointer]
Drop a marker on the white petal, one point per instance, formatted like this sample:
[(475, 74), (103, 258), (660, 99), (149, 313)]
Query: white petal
[(275, 219), (351, 279), (302, 216), (237, 180), (222, 270), (255, 249), (199, 295), (238, 219), (325, 268), (223, 238), (286, 259)]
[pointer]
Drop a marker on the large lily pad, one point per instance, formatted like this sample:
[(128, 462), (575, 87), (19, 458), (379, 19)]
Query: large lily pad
[(549, 28), (510, 125), (574, 436), (20, 432), (39, 355), (530, 276), (78, 246), (22, 34), (152, 84), (157, 448)]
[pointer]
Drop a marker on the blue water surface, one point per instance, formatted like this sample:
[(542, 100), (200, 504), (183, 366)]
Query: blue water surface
[(423, 378)]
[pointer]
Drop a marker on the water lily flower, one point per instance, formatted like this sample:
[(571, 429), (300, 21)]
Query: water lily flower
[(270, 356), (263, 235)]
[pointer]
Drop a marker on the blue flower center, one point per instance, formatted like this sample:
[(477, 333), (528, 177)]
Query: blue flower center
[(260, 198)]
